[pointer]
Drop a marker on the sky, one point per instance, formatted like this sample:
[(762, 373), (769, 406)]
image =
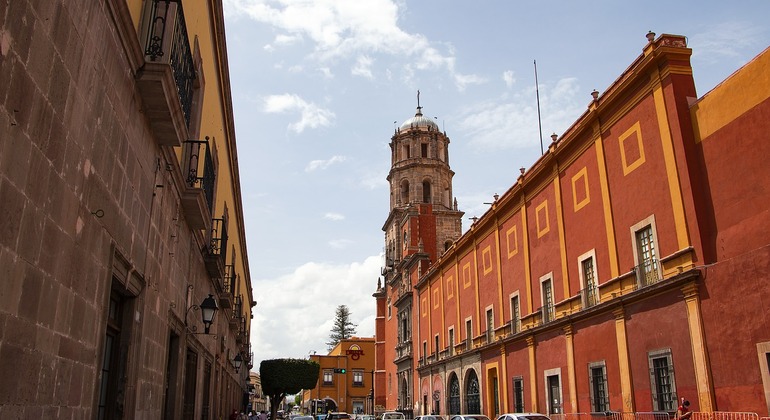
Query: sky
[(319, 86)]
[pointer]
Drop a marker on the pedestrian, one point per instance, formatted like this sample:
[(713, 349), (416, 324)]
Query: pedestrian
[(252, 416), (683, 413), (234, 416)]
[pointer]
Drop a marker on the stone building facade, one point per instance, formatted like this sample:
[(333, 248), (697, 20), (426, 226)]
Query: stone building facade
[(122, 217), (625, 270)]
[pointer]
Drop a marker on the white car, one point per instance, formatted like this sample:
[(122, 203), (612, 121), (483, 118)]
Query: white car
[(393, 415), (523, 416), (469, 417)]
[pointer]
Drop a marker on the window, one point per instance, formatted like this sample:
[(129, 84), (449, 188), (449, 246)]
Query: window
[(597, 374), (590, 292), (451, 335), (190, 380), (662, 381), (390, 309), (515, 317), (424, 351), (405, 192), (328, 377), (426, 193), (468, 334), (358, 377), (435, 344), (407, 152), (490, 326), (424, 150), (647, 268), (547, 291), (518, 394)]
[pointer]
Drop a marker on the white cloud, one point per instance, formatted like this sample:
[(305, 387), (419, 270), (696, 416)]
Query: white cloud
[(334, 216), (342, 30), (311, 115), (509, 78), (294, 313), (726, 39), (513, 124), (340, 243), (326, 72), (323, 164), (363, 67), (463, 80)]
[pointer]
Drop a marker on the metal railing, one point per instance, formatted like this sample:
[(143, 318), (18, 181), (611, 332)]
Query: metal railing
[(547, 313), (195, 150), (228, 281), (218, 239), (167, 40), (590, 296), (647, 273)]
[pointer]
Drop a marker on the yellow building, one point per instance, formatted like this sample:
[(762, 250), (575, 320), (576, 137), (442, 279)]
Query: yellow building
[(345, 380)]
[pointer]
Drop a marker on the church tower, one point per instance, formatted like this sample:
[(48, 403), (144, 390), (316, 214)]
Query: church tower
[(423, 223)]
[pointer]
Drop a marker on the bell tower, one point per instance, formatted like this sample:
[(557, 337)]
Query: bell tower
[(423, 212), (423, 223)]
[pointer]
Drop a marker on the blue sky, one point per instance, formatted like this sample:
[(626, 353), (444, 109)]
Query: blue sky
[(318, 87)]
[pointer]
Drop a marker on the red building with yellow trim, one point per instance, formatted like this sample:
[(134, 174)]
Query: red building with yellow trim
[(626, 269)]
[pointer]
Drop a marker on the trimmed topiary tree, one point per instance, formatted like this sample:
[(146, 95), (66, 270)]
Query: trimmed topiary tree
[(281, 377)]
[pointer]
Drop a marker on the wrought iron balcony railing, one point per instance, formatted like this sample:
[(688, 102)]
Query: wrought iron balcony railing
[(547, 313), (166, 80), (216, 248), (167, 41), (647, 273), (590, 296), (199, 169)]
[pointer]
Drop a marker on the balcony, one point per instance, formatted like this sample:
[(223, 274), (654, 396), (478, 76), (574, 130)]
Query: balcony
[(242, 337), (215, 249), (648, 273), (165, 81), (547, 313), (225, 289), (236, 314), (590, 296), (198, 195)]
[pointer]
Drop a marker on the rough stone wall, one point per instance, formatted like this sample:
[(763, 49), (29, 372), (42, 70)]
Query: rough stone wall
[(81, 180)]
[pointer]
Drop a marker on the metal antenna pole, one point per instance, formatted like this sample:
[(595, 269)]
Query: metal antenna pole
[(539, 124)]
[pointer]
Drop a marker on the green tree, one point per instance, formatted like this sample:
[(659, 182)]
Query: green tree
[(281, 377), (343, 328)]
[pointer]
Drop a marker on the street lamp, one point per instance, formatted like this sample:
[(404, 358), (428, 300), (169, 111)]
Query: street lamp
[(208, 309), (237, 362)]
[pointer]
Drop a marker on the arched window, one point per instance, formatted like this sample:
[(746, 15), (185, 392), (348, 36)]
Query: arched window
[(472, 400), (404, 192), (426, 191), (454, 395)]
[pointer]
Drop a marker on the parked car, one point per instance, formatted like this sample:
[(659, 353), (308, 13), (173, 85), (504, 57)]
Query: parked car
[(366, 417), (469, 417), (337, 416), (523, 416), (430, 417), (393, 415)]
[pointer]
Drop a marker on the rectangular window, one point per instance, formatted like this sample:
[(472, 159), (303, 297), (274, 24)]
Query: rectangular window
[(468, 334), (435, 344), (518, 394), (358, 377), (424, 351), (597, 374), (451, 335), (407, 153), (490, 326), (647, 270), (515, 315), (328, 377), (590, 292), (424, 149), (548, 310), (662, 381)]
